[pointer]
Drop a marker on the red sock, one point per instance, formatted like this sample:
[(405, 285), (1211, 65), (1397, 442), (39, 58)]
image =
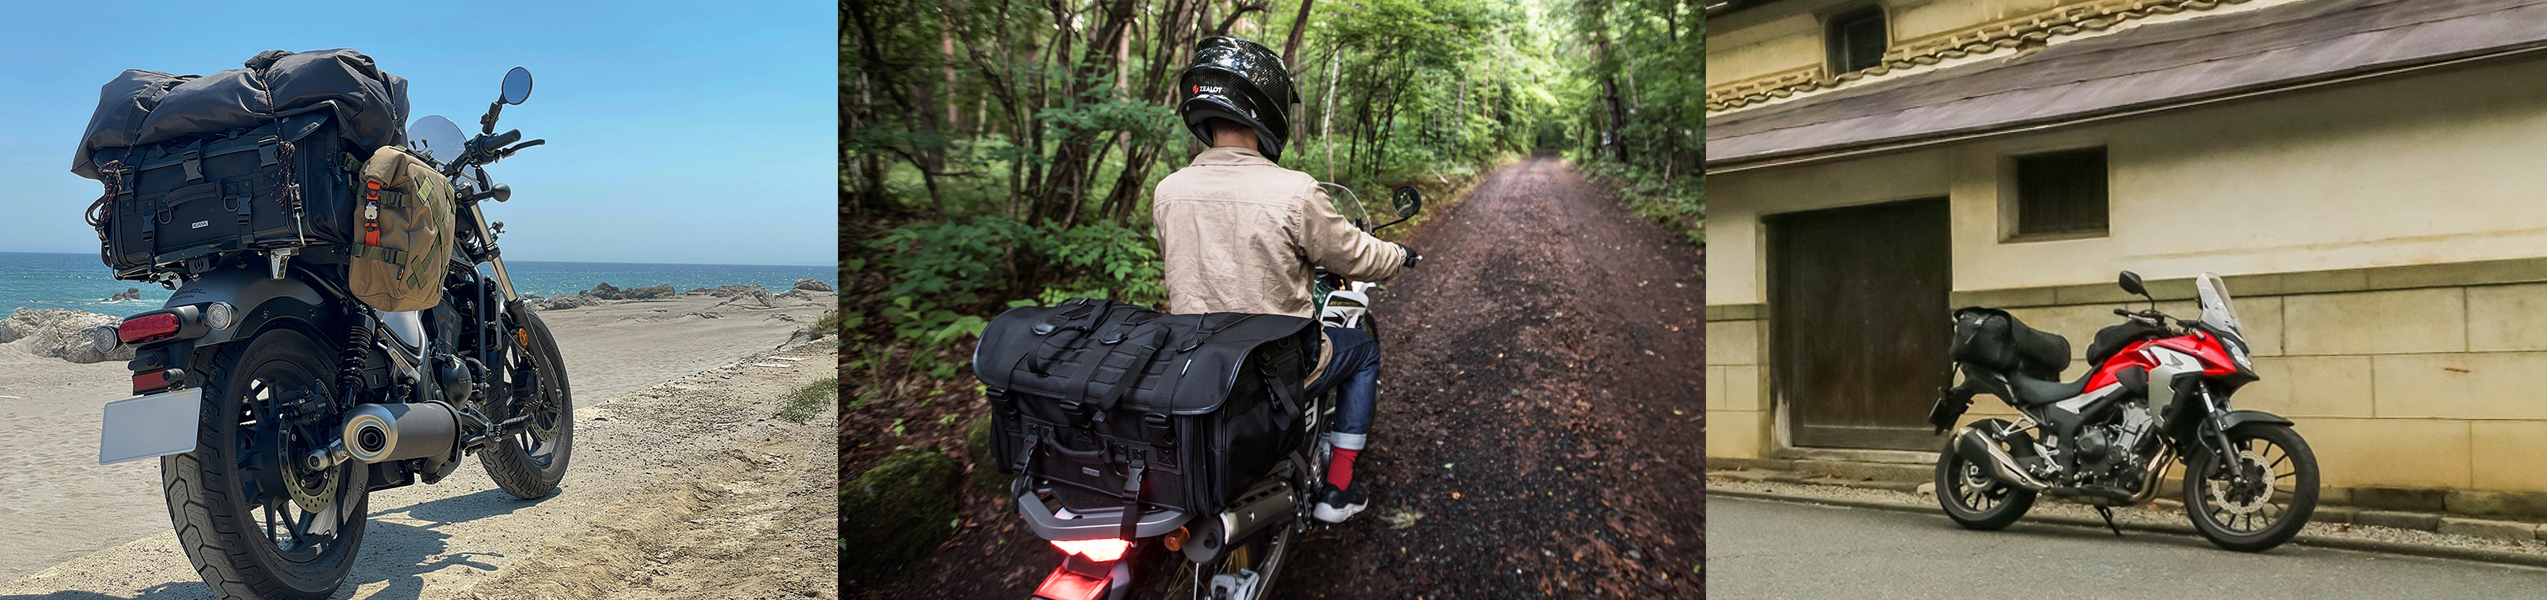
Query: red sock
[(1340, 469)]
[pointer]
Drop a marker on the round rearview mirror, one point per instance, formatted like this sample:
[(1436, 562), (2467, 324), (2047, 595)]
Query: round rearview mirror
[(2131, 283), (1408, 201), (517, 85)]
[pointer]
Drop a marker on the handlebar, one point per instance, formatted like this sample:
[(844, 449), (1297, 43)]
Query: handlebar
[(487, 145)]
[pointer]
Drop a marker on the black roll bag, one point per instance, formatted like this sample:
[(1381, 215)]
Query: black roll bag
[(260, 157), (1143, 408)]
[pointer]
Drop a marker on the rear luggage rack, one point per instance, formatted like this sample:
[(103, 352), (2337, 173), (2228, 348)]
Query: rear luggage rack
[(1100, 523)]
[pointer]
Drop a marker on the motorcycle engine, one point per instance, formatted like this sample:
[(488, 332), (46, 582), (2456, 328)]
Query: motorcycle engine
[(2110, 451)]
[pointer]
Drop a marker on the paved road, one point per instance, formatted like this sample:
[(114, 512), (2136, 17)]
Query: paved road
[(1765, 550)]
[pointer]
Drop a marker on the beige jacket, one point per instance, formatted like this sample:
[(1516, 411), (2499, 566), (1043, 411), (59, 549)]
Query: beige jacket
[(1239, 234)]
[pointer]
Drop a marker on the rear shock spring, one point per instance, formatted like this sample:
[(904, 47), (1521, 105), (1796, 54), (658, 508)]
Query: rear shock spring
[(349, 374)]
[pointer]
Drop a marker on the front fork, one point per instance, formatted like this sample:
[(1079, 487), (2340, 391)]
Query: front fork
[(2214, 437)]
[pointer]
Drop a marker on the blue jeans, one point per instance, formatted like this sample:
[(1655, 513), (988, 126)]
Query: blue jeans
[(1356, 368)]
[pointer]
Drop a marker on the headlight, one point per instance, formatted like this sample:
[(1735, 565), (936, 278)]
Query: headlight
[(221, 315)]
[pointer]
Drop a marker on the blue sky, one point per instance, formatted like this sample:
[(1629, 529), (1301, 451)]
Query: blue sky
[(678, 132)]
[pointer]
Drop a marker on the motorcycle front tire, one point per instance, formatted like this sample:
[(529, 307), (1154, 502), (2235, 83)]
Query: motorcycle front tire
[(532, 473)]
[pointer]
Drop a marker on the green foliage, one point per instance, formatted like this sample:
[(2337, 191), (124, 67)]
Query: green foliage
[(899, 512), (1679, 203), (808, 401)]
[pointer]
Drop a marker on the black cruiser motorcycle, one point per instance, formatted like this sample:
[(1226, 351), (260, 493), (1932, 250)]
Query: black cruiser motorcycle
[(277, 403)]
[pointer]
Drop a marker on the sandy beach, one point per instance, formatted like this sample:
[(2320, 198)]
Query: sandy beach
[(675, 428)]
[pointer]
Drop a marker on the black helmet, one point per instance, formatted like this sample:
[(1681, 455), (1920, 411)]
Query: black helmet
[(1241, 81)]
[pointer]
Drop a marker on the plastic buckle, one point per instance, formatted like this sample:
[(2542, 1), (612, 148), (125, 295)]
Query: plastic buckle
[(194, 165)]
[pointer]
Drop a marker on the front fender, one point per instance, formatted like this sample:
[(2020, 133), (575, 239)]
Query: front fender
[(2236, 418), (259, 299)]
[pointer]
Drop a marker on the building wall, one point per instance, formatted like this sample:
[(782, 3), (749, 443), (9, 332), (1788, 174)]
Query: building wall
[(2387, 243)]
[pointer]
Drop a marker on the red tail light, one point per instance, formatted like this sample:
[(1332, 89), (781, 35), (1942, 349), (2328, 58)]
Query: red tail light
[(1097, 550), (148, 328)]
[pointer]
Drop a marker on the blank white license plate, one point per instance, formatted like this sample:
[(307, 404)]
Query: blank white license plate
[(149, 426)]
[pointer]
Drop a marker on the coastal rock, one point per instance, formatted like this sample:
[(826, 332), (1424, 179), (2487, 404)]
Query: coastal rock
[(127, 294), (60, 333), (729, 291), (605, 291), (815, 285), (567, 302), (755, 297)]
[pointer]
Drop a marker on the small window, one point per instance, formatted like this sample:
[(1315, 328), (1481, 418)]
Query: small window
[(2061, 194), (1856, 39)]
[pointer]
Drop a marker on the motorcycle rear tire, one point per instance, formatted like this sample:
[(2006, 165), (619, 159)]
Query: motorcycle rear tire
[(222, 534), (1950, 468), (514, 467)]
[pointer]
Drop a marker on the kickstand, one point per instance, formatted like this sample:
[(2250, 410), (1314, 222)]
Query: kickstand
[(2108, 513)]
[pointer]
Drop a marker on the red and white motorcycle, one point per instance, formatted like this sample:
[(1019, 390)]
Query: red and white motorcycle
[(2158, 392)]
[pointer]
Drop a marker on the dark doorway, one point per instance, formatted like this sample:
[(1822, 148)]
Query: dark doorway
[(1858, 322)]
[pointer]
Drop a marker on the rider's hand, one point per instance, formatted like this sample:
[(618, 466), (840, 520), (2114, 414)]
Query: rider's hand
[(1412, 256)]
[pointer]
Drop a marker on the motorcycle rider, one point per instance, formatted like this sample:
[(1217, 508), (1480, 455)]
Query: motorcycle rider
[(1239, 234)]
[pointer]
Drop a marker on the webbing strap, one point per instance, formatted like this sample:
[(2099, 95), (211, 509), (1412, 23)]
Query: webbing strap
[(1132, 496), (387, 255), (1124, 366)]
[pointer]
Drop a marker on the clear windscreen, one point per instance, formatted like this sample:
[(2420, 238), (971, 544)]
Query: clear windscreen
[(2214, 296), (436, 138), (1347, 203)]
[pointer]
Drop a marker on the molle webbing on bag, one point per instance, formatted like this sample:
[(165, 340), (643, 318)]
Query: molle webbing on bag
[(1142, 407), (406, 233)]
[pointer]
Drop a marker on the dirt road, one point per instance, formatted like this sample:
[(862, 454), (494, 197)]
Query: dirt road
[(674, 476), (1539, 432)]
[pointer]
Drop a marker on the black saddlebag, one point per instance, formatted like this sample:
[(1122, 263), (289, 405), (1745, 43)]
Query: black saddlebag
[(200, 196), (1993, 339), (252, 158), (1144, 407)]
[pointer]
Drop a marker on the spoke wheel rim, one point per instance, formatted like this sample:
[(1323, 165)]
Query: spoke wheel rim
[(1975, 490), (2251, 504), (538, 440), (302, 512)]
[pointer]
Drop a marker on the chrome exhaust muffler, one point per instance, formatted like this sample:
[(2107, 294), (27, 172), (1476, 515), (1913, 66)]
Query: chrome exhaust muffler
[(1265, 505), (385, 432), (1979, 448), (1268, 503)]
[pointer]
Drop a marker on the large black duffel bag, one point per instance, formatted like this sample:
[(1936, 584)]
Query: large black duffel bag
[(253, 158), (1143, 407)]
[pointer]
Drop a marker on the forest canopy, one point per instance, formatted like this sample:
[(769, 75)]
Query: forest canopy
[(1003, 151)]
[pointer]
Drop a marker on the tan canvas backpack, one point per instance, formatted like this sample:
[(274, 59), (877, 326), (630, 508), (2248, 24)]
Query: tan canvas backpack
[(405, 220)]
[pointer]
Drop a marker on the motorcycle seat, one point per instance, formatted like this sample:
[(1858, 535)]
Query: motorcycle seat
[(2031, 391)]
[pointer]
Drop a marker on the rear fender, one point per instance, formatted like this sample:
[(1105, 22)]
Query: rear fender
[(260, 300)]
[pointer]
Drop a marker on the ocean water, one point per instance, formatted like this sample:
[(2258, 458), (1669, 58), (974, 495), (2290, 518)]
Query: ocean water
[(79, 281)]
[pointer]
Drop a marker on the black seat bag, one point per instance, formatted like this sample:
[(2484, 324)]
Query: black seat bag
[(1146, 408), (1993, 339), (252, 158)]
